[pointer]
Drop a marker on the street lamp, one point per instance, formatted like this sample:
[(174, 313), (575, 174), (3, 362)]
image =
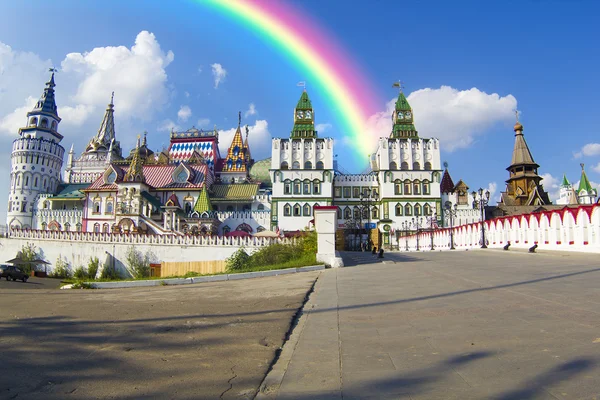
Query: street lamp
[(406, 229), (367, 197), (417, 223), (450, 213), (481, 201), (432, 222)]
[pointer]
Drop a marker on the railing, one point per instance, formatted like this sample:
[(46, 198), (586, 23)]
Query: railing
[(140, 239)]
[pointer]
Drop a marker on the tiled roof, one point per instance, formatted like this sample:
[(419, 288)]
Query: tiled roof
[(161, 177), (584, 183), (71, 192), (203, 203), (236, 160), (402, 103), (260, 171), (234, 192), (447, 185)]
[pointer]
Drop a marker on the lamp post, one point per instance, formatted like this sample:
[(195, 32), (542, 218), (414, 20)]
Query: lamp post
[(417, 223), (405, 228), (481, 201), (432, 222), (367, 197), (450, 214)]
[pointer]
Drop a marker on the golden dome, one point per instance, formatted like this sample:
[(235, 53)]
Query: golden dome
[(518, 126)]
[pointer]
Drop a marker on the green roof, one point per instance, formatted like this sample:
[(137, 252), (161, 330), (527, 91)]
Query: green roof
[(584, 183), (402, 103), (203, 203), (565, 181), (71, 192), (152, 200), (304, 102), (260, 171), (399, 128), (233, 192)]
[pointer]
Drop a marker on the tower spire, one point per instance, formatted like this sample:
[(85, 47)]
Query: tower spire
[(47, 102), (106, 133), (304, 118), (402, 117), (135, 173)]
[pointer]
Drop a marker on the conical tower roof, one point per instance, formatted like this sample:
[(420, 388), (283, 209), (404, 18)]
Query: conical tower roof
[(203, 203), (565, 182), (584, 183), (236, 156), (447, 185), (106, 133), (47, 102), (135, 173), (304, 102), (402, 103), (521, 154), (403, 119), (304, 118)]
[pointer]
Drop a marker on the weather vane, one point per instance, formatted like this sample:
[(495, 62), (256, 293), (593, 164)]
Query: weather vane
[(517, 112), (52, 69), (399, 85), (446, 164)]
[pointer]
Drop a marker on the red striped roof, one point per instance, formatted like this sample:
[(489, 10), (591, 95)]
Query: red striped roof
[(160, 177)]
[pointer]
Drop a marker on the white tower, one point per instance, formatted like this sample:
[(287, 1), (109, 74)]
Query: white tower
[(36, 159)]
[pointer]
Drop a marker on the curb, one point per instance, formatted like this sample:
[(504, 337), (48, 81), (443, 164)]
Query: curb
[(199, 279)]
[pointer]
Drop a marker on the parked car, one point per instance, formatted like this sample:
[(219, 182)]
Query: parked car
[(11, 272)]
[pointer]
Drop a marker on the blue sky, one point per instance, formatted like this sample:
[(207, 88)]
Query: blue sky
[(541, 56)]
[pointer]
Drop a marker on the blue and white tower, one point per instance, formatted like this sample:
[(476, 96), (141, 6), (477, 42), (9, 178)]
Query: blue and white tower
[(36, 160)]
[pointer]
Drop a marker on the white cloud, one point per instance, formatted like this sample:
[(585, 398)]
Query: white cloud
[(596, 168), (551, 185), (322, 128), (455, 117), (203, 123), (11, 123), (219, 73), (187, 95), (590, 149), (200, 69), (251, 110), (492, 187), (184, 113), (137, 76), (259, 139), (168, 125)]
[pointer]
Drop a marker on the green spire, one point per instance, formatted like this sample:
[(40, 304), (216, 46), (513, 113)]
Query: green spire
[(304, 119), (203, 203), (403, 120), (584, 183), (565, 181)]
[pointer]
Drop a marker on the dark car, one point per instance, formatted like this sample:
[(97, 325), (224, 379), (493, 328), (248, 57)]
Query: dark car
[(11, 272)]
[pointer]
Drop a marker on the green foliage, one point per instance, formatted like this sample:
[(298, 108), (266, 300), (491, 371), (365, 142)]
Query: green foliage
[(80, 273), (93, 266), (82, 285), (28, 253), (61, 270), (238, 260), (138, 263), (109, 273)]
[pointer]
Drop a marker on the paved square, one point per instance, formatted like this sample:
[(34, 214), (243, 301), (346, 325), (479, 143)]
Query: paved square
[(482, 324), (175, 342)]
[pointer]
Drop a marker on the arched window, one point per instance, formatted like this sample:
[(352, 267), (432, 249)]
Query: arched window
[(296, 165), (426, 187), (339, 213), (44, 123), (399, 210), (96, 207), (187, 207), (306, 210), (229, 208), (44, 225), (54, 125), (407, 187), (18, 180), (365, 213), (35, 182), (417, 187), (287, 187), (33, 121), (226, 229), (404, 166), (320, 165), (45, 184), (260, 207), (297, 187), (407, 209), (306, 187), (26, 181), (287, 210), (316, 187), (427, 166), (427, 209), (397, 187), (96, 228), (416, 166), (67, 227), (284, 165), (356, 213), (109, 207), (347, 213), (393, 166), (78, 227), (297, 210), (307, 165), (375, 213), (417, 209)]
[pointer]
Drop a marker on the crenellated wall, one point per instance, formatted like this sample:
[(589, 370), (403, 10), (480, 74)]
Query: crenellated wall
[(569, 229)]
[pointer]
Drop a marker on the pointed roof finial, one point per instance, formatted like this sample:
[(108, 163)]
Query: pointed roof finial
[(239, 118), (518, 128), (112, 98), (144, 142), (302, 84), (399, 84), (445, 164), (582, 165), (517, 112)]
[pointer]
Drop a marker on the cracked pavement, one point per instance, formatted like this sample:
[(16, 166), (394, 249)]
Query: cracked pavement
[(205, 341)]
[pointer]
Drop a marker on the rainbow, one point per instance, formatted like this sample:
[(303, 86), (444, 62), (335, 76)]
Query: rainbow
[(320, 58)]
